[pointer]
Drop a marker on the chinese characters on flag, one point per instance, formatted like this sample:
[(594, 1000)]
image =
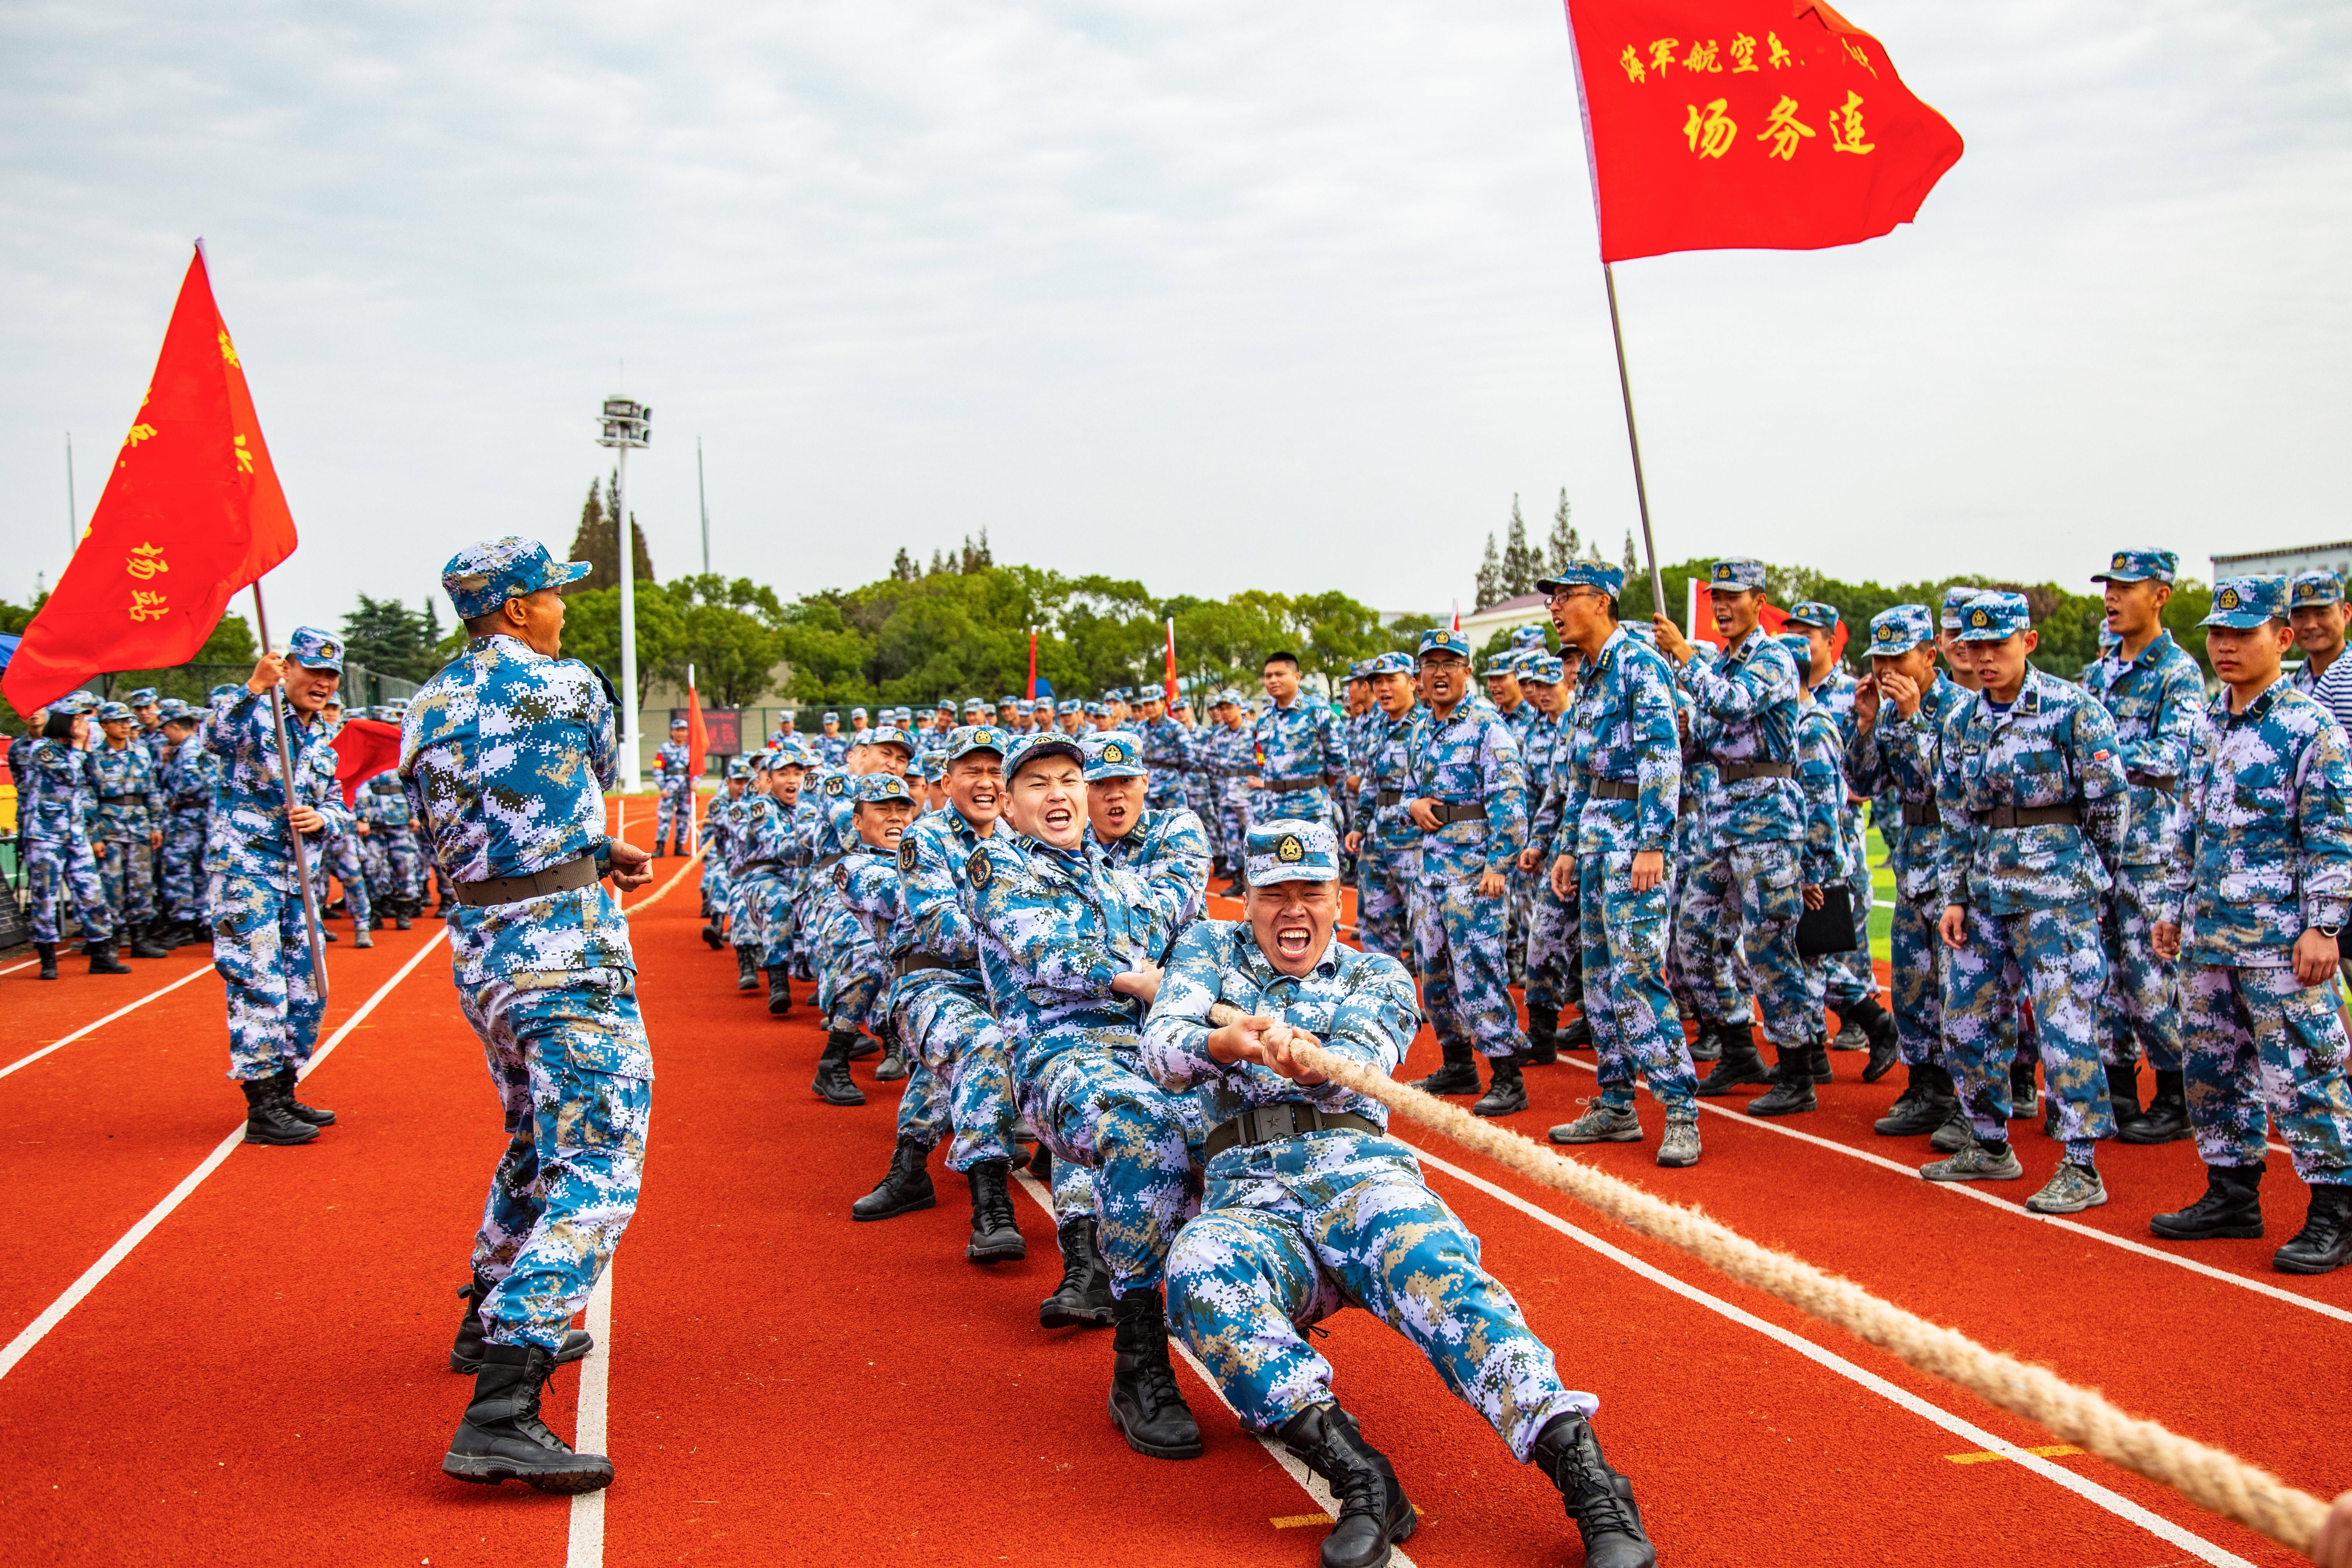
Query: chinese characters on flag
[(1729, 124), (191, 513)]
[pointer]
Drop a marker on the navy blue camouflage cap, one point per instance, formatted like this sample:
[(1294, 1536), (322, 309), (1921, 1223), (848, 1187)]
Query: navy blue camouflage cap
[(1183, 700), (481, 577), (830, 717), (680, 724), (1039, 744), (171, 707), (1361, 670), (948, 704), (1113, 754), (1023, 705), (932, 765), (1813, 613), (1993, 615), (2307, 589), (314, 649), (889, 735), (1900, 629), (1547, 669), (858, 717), (1011, 701), (215, 694), (1071, 705), (1391, 663), (973, 707), (966, 738), (1956, 599), (1444, 639), (1095, 709), (1609, 580), (737, 768), (1798, 644), (2139, 566), (874, 788), (142, 698), (75, 703), (2246, 603), (1530, 637), (1288, 849), (113, 713), (1504, 663), (1739, 574)]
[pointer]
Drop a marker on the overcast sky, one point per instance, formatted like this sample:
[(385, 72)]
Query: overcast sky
[(1214, 293)]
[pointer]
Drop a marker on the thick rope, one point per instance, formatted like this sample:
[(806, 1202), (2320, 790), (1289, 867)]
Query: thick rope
[(2210, 1478)]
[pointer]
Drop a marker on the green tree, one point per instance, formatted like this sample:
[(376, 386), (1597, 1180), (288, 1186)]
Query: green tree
[(390, 638), (1489, 590), (592, 632), (730, 635), (597, 541), (1521, 565), (1562, 546)]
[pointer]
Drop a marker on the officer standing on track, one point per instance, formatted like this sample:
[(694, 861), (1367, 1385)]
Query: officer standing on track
[(123, 832), (56, 790), (506, 753), (1386, 844), (674, 815)]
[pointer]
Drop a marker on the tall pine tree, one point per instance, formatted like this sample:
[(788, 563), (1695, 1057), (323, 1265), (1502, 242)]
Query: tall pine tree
[(597, 541), (1490, 576), (1521, 565), (1561, 547)]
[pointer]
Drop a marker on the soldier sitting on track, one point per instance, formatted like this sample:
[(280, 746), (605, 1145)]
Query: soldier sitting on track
[(1311, 1205)]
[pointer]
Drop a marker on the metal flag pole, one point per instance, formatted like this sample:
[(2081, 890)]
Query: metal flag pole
[(73, 509), (1634, 439), (702, 499), (693, 821), (286, 772)]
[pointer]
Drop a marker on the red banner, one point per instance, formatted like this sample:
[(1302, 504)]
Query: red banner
[(1774, 618), (1731, 124), (363, 748), (191, 513)]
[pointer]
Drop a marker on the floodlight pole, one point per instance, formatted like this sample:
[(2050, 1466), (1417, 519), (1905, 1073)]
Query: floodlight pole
[(627, 424), (702, 501)]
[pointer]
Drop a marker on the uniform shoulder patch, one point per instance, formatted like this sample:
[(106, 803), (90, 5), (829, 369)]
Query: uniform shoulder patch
[(836, 787), (905, 854), (979, 869)]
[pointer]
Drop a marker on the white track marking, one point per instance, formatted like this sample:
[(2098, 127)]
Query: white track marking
[(1307, 1479), (586, 1549), (14, 967), (88, 1028), (2113, 1502), (1972, 1191), (55, 1312)]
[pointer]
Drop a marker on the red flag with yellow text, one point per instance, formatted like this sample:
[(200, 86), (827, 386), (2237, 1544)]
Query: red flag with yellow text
[(191, 513), (1736, 124)]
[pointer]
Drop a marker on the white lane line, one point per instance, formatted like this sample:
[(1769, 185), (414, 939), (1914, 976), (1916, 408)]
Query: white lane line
[(55, 1312), (14, 967), (2113, 1502), (119, 1012), (1971, 1191), (1307, 1479), (586, 1548)]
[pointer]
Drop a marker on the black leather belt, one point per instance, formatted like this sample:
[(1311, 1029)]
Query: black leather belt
[(1293, 786), (1451, 812), (1390, 797), (578, 872), (1612, 789), (1926, 814), (119, 799), (2035, 816), (1286, 1119), (1732, 772), (2149, 780), (824, 860), (914, 962)]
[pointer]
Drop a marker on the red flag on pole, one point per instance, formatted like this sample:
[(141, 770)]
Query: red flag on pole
[(697, 741), (363, 748), (1729, 124), (1773, 618), (191, 513), (1031, 692), (1457, 615), (1171, 663)]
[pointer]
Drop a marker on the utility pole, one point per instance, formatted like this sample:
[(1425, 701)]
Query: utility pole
[(627, 424), (702, 501)]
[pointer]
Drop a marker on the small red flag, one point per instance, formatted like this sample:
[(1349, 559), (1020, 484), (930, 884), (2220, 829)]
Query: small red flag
[(698, 735), (363, 748), (1171, 663), (1731, 124), (1773, 618), (1031, 692), (191, 513)]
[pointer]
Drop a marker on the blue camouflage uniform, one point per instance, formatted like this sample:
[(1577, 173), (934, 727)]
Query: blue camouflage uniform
[(506, 753), (1234, 752), (391, 827), (1168, 752), (1388, 859), (1300, 758), (190, 777), (2035, 806), (129, 807), (1848, 978), (1555, 942), (831, 749), (1829, 853), (674, 813), (1296, 1226), (339, 855), (2265, 854), (56, 791), (868, 882)]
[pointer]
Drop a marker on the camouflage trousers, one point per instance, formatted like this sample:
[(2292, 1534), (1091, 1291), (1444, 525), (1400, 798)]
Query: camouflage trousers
[(1636, 1032), (183, 863), (261, 946), (760, 917), (1233, 821), (1381, 901), (403, 861), (1164, 790), (1292, 1231), (674, 819), (2056, 956), (568, 1056), (1849, 977), (1703, 964), (853, 976), (2137, 1009), (126, 867), (1073, 1193), (1201, 796), (1770, 882), (2257, 1045), (1555, 948), (946, 1027), (57, 870), (1916, 960), (1519, 909), (339, 854), (1094, 1106), (924, 1118), (1457, 949)]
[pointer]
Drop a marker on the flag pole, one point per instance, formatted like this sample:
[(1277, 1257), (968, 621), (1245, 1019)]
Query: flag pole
[(286, 772), (1633, 440)]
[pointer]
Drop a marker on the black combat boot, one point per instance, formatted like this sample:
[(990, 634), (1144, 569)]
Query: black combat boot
[(284, 1080), (1575, 1035), (1925, 1104), (502, 1438), (1871, 1017), (1506, 1091), (266, 1119), (1600, 1499), (906, 1188), (1817, 1062), (833, 1079), (1543, 1046), (779, 989), (49, 951), (2122, 1098), (1706, 1046), (400, 919), (1793, 1083), (2167, 1118), (2325, 1243), (1458, 1075), (1083, 1300), (861, 1045), (2024, 1101), (713, 936), (2230, 1210), (1373, 1509), (995, 1233), (465, 1351), (147, 941), (1740, 1063), (1144, 1400), (101, 958), (747, 970), (893, 1065)]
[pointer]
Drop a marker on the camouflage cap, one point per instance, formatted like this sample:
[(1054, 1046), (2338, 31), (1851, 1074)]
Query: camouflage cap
[(1023, 705), (314, 649), (889, 735), (1956, 599), (932, 765), (1993, 616), (1813, 613), (75, 703), (1095, 709), (1900, 629), (113, 713), (1391, 663), (1009, 701), (966, 738), (1609, 580), (1505, 663), (1530, 637), (2139, 566), (1113, 754), (170, 708), (858, 716), (1071, 705), (2244, 603), (1739, 574), (874, 788), (1288, 849), (142, 698), (2310, 588), (481, 577), (680, 724), (1361, 670), (215, 694), (1544, 669), (1039, 744), (830, 718), (972, 705), (737, 768), (1444, 639)]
